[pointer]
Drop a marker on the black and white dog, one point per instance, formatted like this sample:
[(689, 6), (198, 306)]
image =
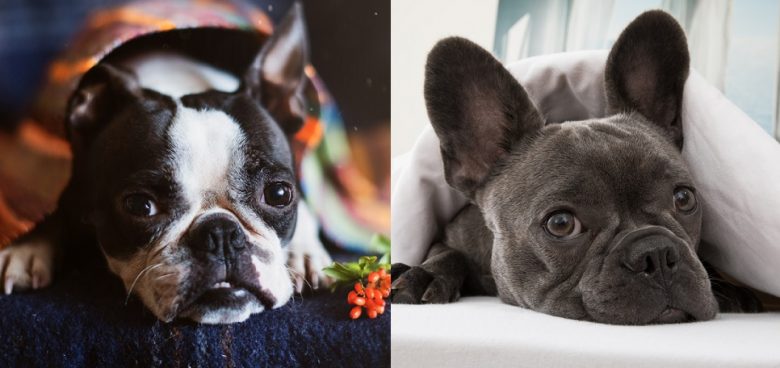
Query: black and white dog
[(184, 176)]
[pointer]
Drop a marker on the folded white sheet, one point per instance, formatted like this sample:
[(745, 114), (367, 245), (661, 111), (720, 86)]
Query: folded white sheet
[(736, 166), (483, 332)]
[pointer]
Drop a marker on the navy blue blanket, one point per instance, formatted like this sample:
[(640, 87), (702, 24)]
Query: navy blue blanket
[(82, 320)]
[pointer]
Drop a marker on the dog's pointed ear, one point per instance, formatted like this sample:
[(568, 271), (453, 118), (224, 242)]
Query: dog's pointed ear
[(101, 90), (646, 71), (277, 76), (477, 108)]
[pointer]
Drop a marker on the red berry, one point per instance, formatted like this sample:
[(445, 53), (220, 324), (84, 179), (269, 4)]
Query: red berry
[(379, 302), (351, 297), (382, 272), (380, 309), (370, 292), (371, 313), (373, 277), (355, 312), (359, 301), (385, 293), (359, 288)]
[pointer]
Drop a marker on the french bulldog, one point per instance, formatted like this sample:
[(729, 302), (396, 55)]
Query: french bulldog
[(595, 220), (184, 176)]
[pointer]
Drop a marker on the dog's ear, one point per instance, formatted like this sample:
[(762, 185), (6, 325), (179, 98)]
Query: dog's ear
[(277, 77), (99, 93), (477, 108), (646, 71)]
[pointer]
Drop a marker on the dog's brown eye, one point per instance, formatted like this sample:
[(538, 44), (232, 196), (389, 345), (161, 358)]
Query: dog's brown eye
[(140, 205), (562, 224), (684, 199), (278, 194)]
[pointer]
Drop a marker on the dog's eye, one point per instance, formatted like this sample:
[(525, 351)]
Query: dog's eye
[(278, 194), (562, 224), (684, 199), (140, 205)]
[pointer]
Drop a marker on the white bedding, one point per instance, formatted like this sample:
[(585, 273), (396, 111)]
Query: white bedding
[(483, 332)]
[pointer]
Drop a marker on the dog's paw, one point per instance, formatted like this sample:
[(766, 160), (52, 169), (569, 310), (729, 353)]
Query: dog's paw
[(305, 262), (307, 256), (418, 286), (27, 265)]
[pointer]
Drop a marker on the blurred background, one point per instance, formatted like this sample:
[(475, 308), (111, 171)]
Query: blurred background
[(735, 45)]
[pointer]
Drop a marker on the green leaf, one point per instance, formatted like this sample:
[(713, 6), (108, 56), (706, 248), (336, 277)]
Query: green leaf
[(335, 273), (353, 267), (348, 273), (343, 272), (366, 260)]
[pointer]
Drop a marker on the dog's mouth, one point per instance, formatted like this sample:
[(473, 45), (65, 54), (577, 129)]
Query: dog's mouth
[(673, 315), (227, 295)]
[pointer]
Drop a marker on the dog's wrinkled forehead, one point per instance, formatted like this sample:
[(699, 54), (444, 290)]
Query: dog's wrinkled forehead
[(583, 160), (263, 142), (203, 140)]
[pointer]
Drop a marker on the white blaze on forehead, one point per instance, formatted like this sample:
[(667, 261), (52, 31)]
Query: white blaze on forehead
[(206, 146), (177, 75)]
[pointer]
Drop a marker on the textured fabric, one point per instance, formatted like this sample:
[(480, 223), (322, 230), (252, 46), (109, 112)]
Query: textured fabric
[(108, 29), (82, 321), (477, 330), (33, 32), (736, 166)]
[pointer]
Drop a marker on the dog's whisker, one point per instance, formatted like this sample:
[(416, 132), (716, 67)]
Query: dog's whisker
[(165, 275), (155, 252), (132, 286)]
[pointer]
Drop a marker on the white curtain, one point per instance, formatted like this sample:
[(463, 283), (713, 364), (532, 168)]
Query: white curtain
[(682, 10), (517, 39), (708, 39), (588, 24)]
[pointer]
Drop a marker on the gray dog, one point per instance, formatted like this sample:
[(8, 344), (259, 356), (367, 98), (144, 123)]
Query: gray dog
[(593, 220)]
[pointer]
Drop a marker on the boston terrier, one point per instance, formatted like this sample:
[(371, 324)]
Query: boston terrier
[(184, 177), (595, 220)]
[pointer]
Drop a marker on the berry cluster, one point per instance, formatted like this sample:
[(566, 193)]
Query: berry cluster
[(371, 296)]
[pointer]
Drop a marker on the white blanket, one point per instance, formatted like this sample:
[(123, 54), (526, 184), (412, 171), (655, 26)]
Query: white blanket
[(736, 166), (483, 332)]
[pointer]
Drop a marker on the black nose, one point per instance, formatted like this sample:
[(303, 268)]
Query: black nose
[(655, 256), (219, 235)]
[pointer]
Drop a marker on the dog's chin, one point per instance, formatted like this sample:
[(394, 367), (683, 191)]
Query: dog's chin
[(659, 314), (673, 315), (223, 305), (229, 302)]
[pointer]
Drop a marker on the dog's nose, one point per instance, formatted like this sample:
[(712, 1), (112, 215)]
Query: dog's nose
[(655, 256), (220, 235)]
